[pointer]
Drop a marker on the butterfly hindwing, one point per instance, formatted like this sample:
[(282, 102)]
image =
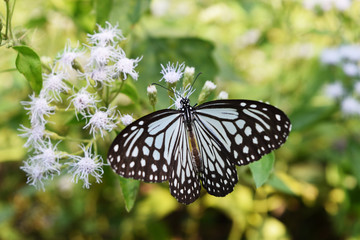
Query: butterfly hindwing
[(247, 129), (218, 172), (184, 180)]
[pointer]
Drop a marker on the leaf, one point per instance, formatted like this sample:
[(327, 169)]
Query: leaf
[(122, 12), (103, 9), (28, 63), (129, 188), (353, 152), (262, 169), (305, 117), (130, 90), (279, 184)]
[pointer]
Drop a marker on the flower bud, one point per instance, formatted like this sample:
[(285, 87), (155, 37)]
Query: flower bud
[(152, 94), (208, 88), (188, 76), (223, 95)]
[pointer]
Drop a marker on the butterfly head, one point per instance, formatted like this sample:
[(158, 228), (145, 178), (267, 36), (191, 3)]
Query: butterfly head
[(184, 102)]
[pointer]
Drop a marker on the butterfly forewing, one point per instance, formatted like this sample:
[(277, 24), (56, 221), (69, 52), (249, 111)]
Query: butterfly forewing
[(155, 149), (143, 150), (247, 129)]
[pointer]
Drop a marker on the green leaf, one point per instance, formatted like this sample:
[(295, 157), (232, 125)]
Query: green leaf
[(102, 9), (130, 90), (305, 117), (262, 169), (129, 188), (122, 12), (28, 63), (279, 184)]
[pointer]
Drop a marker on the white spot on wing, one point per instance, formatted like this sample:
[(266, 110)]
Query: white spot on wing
[(154, 167), (116, 148), (238, 139), (248, 131)]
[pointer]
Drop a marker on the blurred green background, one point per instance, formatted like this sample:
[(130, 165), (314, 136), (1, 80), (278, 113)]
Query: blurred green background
[(253, 49)]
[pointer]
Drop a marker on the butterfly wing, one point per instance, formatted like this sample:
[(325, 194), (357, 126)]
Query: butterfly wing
[(155, 149), (218, 172), (141, 151), (247, 129), (184, 179)]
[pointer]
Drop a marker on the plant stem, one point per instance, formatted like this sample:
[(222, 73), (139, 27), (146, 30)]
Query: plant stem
[(56, 136)]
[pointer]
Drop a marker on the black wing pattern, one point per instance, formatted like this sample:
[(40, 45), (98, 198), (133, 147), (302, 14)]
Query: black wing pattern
[(155, 149), (247, 129), (217, 171)]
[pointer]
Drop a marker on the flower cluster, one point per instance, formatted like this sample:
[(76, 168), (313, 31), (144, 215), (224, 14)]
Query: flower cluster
[(346, 58), (326, 5), (78, 81)]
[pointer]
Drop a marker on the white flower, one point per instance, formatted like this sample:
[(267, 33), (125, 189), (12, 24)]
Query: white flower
[(173, 72), (177, 103), (189, 71), (100, 55), (209, 86), (66, 59), (350, 106), (126, 66), (350, 69), (47, 154), (54, 82), (350, 52), (126, 119), (357, 88), (330, 56), (82, 100), (223, 95), (38, 108), (334, 90), (151, 89), (102, 120), (104, 36), (182, 93), (35, 135), (342, 5), (159, 7), (101, 74), (43, 165), (249, 38), (85, 166), (35, 174)]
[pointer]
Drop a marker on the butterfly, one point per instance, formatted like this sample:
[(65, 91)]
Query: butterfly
[(196, 146)]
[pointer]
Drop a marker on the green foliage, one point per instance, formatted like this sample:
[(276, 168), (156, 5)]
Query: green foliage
[(124, 12), (262, 169), (129, 188), (28, 63)]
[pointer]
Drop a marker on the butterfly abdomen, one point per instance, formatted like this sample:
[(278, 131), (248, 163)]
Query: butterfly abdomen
[(194, 148)]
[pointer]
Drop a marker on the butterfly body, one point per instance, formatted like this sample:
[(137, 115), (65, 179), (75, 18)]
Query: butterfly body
[(198, 145)]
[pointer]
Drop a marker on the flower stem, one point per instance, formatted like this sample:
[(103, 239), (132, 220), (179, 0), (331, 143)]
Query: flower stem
[(54, 135)]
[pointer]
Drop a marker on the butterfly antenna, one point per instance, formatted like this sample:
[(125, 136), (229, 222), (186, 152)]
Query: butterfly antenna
[(197, 76), (161, 86)]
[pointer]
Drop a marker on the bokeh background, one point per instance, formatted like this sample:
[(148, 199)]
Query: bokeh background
[(253, 49)]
